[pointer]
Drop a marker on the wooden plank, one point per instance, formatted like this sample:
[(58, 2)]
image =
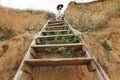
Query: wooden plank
[(55, 31), (55, 24), (33, 54), (52, 36), (91, 66), (41, 48), (50, 22), (55, 28), (59, 62)]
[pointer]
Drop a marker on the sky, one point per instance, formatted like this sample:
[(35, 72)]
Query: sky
[(49, 5)]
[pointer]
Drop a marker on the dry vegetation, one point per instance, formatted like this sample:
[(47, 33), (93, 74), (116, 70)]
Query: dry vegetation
[(16, 30), (100, 22)]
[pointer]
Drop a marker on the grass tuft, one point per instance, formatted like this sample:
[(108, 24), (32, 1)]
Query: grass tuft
[(119, 5), (49, 15), (106, 46), (100, 26), (75, 26)]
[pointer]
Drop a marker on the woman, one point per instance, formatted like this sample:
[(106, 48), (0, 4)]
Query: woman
[(59, 13)]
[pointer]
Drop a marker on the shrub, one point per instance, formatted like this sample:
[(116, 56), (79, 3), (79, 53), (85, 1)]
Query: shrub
[(2, 37), (119, 5), (38, 28), (29, 11), (106, 46), (65, 51), (101, 25), (86, 29), (75, 26), (97, 27), (6, 34), (49, 15)]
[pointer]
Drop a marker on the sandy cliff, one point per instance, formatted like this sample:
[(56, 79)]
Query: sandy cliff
[(103, 20), (24, 25)]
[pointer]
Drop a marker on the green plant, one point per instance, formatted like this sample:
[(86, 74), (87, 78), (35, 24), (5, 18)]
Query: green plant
[(106, 46), (65, 51), (49, 15), (8, 33), (57, 40), (74, 25), (86, 29), (29, 11), (101, 25), (48, 50), (119, 5), (97, 27), (2, 37), (38, 28)]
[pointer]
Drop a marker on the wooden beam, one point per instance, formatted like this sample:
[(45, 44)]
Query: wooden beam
[(91, 66), (55, 30), (59, 62), (55, 27), (42, 48), (55, 24), (32, 53), (50, 22)]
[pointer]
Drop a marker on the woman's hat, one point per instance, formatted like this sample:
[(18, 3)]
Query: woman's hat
[(60, 5)]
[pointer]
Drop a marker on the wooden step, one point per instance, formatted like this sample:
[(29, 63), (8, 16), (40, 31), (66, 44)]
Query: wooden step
[(51, 22), (63, 62), (55, 28), (42, 48), (59, 61), (56, 24), (55, 31)]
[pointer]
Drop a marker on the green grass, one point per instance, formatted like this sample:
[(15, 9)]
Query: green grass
[(100, 26), (119, 5), (86, 29), (62, 40), (32, 11), (49, 15), (97, 27), (2, 37), (106, 46), (74, 25), (38, 28), (66, 52), (6, 34)]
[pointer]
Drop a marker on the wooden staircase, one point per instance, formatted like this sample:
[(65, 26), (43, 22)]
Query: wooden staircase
[(56, 35)]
